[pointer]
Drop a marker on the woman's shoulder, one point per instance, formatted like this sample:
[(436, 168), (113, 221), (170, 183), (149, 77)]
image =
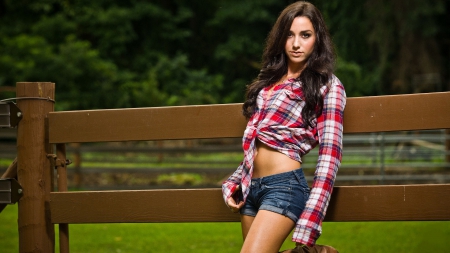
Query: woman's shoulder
[(333, 84), (334, 81)]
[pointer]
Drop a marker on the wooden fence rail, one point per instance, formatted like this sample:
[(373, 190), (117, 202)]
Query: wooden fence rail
[(349, 203)]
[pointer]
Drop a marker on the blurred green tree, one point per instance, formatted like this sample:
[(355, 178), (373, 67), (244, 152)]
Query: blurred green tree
[(135, 53)]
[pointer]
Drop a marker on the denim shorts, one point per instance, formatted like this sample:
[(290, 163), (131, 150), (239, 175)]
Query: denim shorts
[(285, 193)]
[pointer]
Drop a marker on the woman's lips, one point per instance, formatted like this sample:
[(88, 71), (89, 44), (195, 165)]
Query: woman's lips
[(296, 53)]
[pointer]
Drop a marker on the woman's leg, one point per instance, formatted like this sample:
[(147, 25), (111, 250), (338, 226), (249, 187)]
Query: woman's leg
[(246, 223), (266, 232)]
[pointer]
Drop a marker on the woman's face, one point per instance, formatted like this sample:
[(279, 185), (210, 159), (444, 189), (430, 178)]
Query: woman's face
[(300, 42)]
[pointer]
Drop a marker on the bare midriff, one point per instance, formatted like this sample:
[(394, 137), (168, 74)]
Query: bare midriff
[(268, 161)]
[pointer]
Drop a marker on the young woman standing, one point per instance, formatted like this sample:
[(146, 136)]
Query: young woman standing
[(295, 104)]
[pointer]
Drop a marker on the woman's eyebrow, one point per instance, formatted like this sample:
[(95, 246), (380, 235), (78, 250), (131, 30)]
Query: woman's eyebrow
[(303, 31)]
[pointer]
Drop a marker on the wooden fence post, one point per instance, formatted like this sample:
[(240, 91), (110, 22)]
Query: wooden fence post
[(62, 187), (78, 176), (34, 172)]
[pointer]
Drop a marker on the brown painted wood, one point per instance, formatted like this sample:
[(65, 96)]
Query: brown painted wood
[(362, 114), (190, 205), (34, 172), (398, 112), (160, 123), (62, 187), (62, 168), (356, 203), (390, 203)]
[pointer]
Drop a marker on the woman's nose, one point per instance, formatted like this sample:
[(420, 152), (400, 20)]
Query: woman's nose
[(296, 42)]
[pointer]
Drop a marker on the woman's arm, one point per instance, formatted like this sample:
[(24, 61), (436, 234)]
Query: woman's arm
[(230, 186), (329, 131)]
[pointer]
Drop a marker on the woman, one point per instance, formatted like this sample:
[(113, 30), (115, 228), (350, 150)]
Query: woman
[(294, 104)]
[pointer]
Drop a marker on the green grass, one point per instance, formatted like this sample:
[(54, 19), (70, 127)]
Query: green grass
[(383, 237)]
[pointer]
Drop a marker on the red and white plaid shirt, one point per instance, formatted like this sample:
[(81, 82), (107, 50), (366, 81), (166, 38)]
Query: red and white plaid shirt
[(277, 122)]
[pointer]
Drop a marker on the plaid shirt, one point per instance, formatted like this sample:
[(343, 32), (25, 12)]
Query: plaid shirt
[(277, 122)]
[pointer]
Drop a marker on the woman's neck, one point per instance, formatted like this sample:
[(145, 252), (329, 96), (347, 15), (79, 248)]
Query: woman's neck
[(294, 71), (292, 75)]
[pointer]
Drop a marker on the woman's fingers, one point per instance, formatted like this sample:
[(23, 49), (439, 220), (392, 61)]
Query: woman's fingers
[(233, 206), (231, 202)]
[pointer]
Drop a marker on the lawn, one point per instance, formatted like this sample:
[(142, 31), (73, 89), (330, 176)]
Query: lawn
[(351, 237)]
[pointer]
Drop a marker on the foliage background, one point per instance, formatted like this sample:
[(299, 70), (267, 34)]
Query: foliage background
[(135, 53)]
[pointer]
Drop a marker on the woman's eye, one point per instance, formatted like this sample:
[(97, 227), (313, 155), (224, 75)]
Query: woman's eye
[(306, 35)]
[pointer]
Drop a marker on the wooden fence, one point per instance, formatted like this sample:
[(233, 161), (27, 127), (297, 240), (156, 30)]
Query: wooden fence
[(40, 207)]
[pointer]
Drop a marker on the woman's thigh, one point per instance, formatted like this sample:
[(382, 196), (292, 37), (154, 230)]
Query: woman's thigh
[(266, 232), (246, 223)]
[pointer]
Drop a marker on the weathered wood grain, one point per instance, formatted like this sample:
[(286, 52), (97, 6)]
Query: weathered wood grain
[(348, 203), (362, 114)]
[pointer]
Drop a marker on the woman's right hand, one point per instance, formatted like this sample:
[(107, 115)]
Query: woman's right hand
[(231, 202)]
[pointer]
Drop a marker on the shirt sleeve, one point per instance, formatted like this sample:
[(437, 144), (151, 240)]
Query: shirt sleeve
[(229, 186), (242, 174), (329, 131)]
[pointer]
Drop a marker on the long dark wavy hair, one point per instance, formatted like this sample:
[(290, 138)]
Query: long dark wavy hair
[(318, 68)]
